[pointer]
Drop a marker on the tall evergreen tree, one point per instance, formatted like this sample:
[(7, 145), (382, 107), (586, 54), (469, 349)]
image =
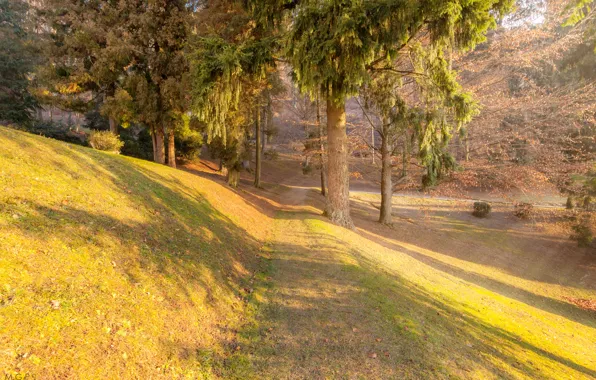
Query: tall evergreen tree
[(157, 77), (230, 59), (335, 45)]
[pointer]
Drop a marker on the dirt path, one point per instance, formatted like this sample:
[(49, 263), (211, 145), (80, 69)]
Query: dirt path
[(320, 321), (443, 296)]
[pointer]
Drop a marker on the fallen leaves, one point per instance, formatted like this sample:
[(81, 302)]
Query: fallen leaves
[(585, 304)]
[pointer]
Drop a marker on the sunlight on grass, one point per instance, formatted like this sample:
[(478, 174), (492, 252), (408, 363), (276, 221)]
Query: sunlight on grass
[(114, 267)]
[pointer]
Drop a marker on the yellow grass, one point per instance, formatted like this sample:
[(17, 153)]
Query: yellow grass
[(112, 267)]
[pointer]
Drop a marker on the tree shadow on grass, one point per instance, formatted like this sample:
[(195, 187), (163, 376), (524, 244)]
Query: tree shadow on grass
[(509, 247), (548, 304), (176, 232), (330, 317)]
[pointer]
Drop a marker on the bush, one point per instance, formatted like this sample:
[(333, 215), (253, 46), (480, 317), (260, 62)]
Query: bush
[(523, 210), (307, 169), (137, 142), (582, 233), (271, 154), (106, 141), (569, 205), (481, 209)]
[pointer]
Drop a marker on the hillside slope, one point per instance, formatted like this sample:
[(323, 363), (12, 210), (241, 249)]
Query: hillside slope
[(114, 267), (111, 267)]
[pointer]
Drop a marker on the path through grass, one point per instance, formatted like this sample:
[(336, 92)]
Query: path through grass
[(345, 306)]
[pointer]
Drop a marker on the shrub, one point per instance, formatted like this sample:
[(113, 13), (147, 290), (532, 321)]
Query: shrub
[(523, 210), (106, 141), (481, 209), (271, 154), (306, 169), (582, 232), (569, 204), (137, 142)]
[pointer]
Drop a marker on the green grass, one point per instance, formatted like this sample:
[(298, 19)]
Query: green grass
[(368, 304), (112, 267)]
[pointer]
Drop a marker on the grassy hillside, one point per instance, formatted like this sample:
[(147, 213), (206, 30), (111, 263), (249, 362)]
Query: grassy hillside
[(113, 267)]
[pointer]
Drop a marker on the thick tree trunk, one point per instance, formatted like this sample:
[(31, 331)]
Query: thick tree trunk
[(338, 197), (258, 148), (171, 148), (386, 185), (233, 177), (159, 155), (113, 125), (322, 151)]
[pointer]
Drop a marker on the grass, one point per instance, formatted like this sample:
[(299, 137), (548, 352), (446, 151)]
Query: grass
[(112, 267), (376, 303)]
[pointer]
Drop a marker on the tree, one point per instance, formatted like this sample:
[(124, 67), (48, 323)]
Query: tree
[(429, 108), (229, 64), (129, 54), (258, 144), (322, 156), (17, 60), (335, 45), (157, 77), (87, 54)]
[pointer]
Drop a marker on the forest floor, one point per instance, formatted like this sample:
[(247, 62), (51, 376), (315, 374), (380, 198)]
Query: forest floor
[(121, 268), (438, 294)]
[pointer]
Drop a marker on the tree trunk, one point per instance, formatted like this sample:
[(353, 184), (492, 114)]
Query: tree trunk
[(372, 149), (386, 185), (338, 197), (264, 125), (258, 148), (233, 177), (113, 125), (467, 148), (154, 143), (171, 148), (159, 155), (322, 151), (405, 156)]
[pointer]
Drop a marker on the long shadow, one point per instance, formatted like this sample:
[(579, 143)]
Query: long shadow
[(473, 324), (528, 256), (312, 332), (564, 309), (493, 334), (181, 235)]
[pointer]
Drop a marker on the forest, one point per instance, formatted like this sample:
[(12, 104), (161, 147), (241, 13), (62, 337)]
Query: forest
[(304, 189)]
